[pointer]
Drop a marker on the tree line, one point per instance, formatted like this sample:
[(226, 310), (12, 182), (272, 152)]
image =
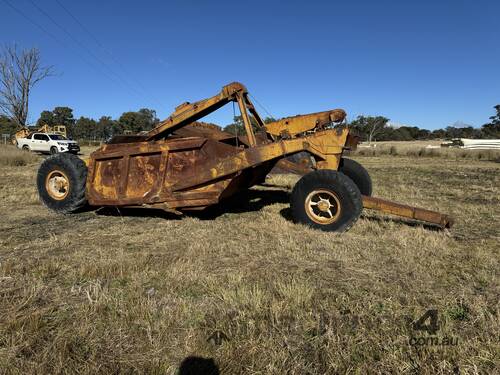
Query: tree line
[(104, 128), (369, 128), (21, 71), (377, 128), (87, 128)]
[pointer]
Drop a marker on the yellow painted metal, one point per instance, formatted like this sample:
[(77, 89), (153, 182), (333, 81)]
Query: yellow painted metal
[(22, 133), (246, 120), (57, 129), (327, 145), (404, 210), (57, 184), (189, 112), (323, 206), (291, 126)]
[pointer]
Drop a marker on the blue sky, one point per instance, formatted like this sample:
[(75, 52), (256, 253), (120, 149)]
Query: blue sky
[(423, 63)]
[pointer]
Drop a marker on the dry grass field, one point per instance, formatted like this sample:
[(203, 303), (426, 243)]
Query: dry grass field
[(241, 289), (420, 149)]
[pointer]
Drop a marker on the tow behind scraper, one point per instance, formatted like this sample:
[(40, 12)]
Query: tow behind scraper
[(184, 165)]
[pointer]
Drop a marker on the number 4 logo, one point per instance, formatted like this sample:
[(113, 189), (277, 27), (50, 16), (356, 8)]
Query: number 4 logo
[(431, 327)]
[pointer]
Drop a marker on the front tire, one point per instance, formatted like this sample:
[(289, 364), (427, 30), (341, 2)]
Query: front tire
[(26, 148), (326, 200), (61, 183), (53, 150)]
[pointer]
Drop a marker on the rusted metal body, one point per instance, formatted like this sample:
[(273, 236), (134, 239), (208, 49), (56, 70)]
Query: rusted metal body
[(194, 171), (179, 165), (410, 212), (183, 165)]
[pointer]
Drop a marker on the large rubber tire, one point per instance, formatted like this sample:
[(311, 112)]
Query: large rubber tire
[(53, 150), (358, 174), (26, 148), (333, 186), (67, 167)]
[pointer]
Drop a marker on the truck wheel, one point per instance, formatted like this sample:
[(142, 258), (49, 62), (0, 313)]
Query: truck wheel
[(358, 174), (26, 148), (53, 150), (61, 183), (326, 200)]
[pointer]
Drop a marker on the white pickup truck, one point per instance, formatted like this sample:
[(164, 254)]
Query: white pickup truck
[(51, 143)]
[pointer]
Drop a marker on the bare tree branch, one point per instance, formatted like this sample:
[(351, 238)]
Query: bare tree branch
[(375, 128), (20, 71)]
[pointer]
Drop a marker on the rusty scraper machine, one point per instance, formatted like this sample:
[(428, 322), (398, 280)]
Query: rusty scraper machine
[(185, 165)]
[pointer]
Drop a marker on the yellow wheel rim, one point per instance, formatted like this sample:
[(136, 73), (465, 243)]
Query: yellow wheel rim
[(323, 206), (57, 185)]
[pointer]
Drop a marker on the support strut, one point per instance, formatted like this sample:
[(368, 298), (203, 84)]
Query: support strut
[(398, 209)]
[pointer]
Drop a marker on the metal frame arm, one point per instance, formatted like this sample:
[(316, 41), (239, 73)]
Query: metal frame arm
[(243, 104), (187, 113)]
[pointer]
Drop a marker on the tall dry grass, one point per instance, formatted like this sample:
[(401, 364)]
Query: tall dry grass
[(418, 151), (14, 157), (241, 289)]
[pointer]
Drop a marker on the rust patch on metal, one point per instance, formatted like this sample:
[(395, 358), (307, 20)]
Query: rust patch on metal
[(398, 209)]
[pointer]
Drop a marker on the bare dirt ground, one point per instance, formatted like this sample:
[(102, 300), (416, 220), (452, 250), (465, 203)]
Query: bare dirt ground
[(241, 289)]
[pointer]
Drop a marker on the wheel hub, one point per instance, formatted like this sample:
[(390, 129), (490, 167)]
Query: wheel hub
[(323, 206), (57, 185)]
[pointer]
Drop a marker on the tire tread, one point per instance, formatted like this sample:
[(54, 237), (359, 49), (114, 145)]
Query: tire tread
[(77, 173), (321, 178), (358, 174)]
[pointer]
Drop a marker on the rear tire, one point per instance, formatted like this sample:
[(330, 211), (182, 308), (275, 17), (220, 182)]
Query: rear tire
[(61, 183), (358, 174), (326, 200)]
